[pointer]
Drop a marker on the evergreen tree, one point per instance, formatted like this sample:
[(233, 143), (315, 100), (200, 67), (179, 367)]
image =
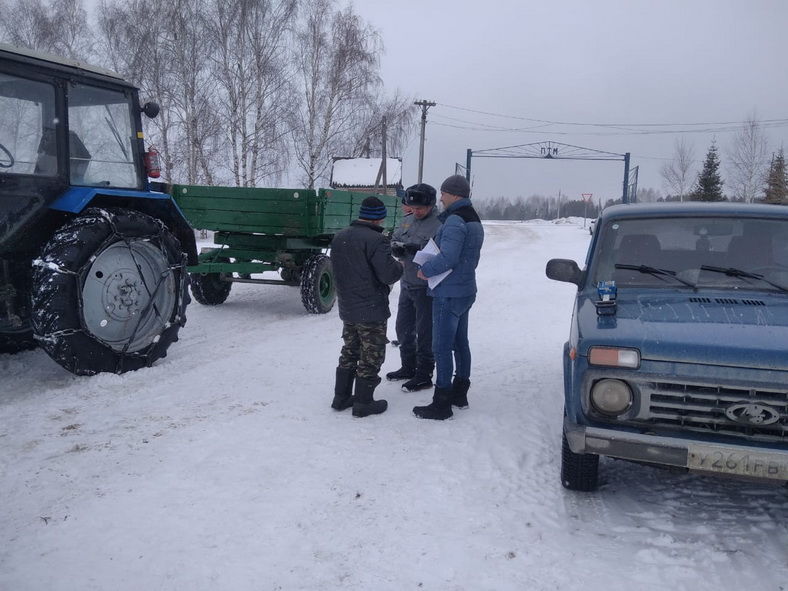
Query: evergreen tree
[(777, 181), (709, 185)]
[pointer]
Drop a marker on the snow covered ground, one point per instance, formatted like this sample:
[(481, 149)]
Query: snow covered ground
[(223, 467)]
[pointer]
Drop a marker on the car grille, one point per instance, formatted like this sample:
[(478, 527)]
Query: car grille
[(703, 409)]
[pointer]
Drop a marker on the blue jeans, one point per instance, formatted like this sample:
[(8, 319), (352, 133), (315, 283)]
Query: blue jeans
[(450, 335)]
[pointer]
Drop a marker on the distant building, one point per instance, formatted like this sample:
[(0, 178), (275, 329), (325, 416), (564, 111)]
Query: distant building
[(359, 174)]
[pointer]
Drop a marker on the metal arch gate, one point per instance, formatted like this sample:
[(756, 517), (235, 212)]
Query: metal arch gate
[(551, 151)]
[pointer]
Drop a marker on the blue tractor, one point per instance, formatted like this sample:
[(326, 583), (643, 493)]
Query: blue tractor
[(93, 255)]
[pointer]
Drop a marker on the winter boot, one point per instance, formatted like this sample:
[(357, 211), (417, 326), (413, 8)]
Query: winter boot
[(459, 389), (363, 404), (419, 382), (403, 373), (343, 389), (440, 409)]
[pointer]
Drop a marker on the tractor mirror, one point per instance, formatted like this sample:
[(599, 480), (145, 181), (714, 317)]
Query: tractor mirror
[(151, 110)]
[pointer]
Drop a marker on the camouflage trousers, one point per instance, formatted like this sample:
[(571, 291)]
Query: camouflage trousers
[(365, 348)]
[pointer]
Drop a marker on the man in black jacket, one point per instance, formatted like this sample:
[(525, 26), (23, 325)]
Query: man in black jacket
[(363, 273)]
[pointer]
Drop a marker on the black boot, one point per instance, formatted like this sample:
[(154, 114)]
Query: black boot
[(363, 404), (343, 389), (440, 409), (459, 388), (403, 373), (419, 382)]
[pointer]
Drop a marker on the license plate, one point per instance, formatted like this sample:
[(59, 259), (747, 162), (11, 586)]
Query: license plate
[(709, 458)]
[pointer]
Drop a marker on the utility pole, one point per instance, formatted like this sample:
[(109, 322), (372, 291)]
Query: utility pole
[(384, 158), (382, 169), (586, 198), (425, 105)]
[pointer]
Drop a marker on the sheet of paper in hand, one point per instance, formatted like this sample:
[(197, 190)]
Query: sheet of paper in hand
[(425, 254)]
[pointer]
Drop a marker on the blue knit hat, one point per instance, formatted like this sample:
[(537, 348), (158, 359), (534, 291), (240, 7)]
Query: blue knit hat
[(372, 208)]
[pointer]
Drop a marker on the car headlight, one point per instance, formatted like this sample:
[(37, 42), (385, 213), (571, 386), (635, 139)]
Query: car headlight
[(611, 397), (614, 357)]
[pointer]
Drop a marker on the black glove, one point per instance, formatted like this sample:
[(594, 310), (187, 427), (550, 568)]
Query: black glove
[(398, 250), (412, 248)]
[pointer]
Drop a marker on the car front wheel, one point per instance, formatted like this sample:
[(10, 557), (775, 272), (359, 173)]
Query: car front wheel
[(578, 471)]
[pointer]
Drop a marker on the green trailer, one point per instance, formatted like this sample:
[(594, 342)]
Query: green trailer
[(257, 230)]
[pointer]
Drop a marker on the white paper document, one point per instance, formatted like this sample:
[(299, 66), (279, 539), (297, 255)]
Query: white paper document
[(425, 254)]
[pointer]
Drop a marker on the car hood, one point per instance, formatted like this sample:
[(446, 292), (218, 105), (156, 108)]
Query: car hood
[(746, 330)]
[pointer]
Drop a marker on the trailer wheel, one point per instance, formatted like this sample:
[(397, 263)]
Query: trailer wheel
[(318, 292), (209, 288), (110, 291), (578, 471)]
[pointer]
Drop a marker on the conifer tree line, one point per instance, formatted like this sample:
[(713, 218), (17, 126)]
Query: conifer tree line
[(250, 90)]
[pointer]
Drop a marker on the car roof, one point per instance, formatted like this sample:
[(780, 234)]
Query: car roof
[(693, 209)]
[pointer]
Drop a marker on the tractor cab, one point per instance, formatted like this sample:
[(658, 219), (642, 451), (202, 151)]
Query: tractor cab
[(62, 124), (92, 261)]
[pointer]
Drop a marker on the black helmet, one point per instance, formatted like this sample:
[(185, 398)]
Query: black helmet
[(420, 195)]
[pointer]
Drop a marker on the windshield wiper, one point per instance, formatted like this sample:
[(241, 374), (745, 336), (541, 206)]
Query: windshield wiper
[(733, 272), (113, 128), (656, 272)]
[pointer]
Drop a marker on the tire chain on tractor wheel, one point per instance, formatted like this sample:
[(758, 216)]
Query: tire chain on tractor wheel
[(59, 276)]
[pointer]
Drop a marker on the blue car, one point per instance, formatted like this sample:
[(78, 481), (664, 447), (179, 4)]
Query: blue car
[(678, 348)]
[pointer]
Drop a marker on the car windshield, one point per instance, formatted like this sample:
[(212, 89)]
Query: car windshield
[(714, 252)]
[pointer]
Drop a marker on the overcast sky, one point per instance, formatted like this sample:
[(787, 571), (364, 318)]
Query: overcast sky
[(586, 62)]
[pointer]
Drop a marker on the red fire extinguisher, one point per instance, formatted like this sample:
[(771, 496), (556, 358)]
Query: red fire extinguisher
[(152, 163)]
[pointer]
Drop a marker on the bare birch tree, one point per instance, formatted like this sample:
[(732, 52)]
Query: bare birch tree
[(336, 59), (399, 113), (129, 43), (677, 174), (168, 58), (59, 26), (748, 160), (250, 65), (193, 92)]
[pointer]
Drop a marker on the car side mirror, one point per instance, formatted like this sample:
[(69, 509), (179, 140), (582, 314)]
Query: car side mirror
[(151, 110), (563, 270)]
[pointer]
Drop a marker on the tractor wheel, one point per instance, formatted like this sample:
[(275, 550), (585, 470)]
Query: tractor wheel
[(578, 471), (209, 288), (318, 292), (110, 291)]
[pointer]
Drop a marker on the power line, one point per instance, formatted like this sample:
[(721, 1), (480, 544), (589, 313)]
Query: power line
[(781, 121), (725, 129)]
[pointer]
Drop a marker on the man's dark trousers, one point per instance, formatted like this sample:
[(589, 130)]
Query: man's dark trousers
[(414, 330)]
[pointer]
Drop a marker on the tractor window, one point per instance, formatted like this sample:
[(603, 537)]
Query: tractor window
[(27, 127), (100, 137)]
